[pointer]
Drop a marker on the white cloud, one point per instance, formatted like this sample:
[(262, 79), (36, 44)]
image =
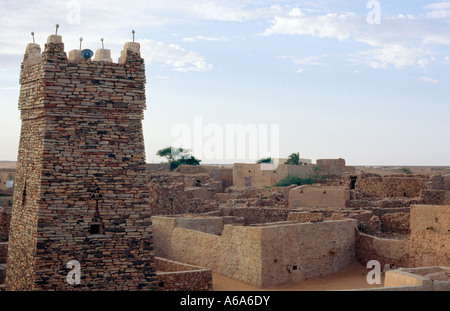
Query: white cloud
[(308, 60), (408, 16), (400, 41), (446, 60), (439, 10), (174, 56), (203, 38), (98, 19), (438, 5), (296, 22), (429, 80), (438, 14), (232, 12), (396, 55)]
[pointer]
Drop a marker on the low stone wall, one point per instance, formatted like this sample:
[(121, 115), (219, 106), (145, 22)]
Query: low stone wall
[(175, 276), (446, 182), (258, 215), (382, 203), (173, 193), (207, 224), (395, 222), (253, 197), (386, 251), (432, 197), (306, 217), (424, 279), (436, 182), (401, 185), (375, 220), (151, 167)]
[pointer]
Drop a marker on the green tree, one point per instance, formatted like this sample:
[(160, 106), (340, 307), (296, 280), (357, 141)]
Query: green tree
[(177, 157), (264, 160), (293, 159), (406, 170)]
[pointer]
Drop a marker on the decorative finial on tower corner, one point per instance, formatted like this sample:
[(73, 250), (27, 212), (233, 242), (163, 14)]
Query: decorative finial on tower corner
[(133, 34), (57, 26), (103, 45), (32, 34), (81, 40)]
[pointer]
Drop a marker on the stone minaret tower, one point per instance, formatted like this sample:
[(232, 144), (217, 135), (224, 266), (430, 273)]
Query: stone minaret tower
[(81, 189)]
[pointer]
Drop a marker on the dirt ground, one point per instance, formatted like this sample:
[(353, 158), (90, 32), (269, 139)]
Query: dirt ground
[(352, 277)]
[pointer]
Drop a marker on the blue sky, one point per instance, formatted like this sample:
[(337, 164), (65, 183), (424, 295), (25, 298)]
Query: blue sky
[(336, 82)]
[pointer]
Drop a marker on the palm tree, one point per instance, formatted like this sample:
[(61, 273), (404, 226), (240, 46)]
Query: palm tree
[(293, 159), (264, 160)]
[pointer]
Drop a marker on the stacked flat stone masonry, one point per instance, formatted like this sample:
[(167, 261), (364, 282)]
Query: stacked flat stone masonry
[(176, 276), (81, 184)]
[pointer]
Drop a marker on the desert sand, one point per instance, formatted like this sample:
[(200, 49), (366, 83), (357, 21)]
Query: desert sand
[(352, 277)]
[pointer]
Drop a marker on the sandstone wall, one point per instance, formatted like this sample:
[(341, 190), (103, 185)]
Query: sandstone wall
[(386, 251), (222, 174), (430, 235), (428, 243), (396, 222), (300, 251), (333, 167), (173, 193), (318, 196), (219, 173), (256, 175), (261, 255), (235, 253)]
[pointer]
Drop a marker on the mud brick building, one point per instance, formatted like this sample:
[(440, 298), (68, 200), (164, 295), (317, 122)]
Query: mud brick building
[(81, 189)]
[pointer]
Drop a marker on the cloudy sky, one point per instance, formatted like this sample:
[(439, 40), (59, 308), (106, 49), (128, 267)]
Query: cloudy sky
[(367, 81)]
